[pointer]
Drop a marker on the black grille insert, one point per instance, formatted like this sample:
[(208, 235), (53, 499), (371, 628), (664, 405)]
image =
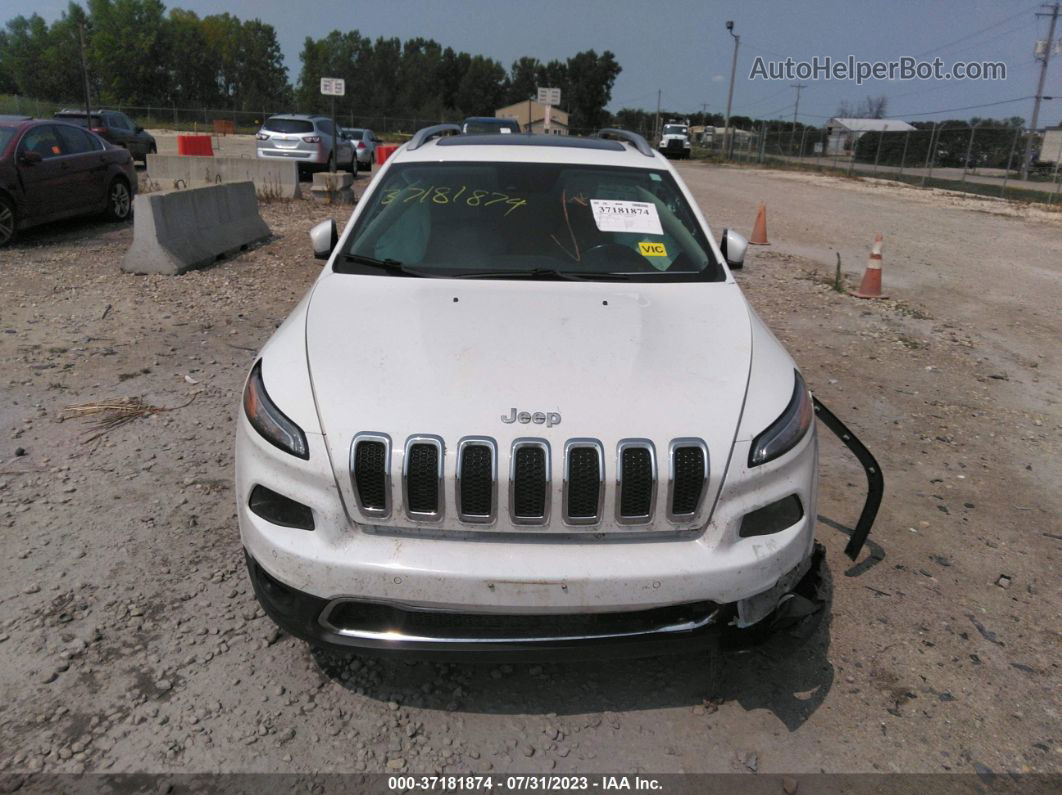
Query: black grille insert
[(690, 467), (584, 483), (422, 478), (370, 474), (477, 481), (636, 488), (529, 482)]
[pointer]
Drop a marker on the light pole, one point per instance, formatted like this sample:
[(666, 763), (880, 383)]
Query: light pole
[(727, 137)]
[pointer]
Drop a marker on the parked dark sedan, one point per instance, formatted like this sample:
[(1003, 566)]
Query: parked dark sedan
[(51, 170), (115, 127)]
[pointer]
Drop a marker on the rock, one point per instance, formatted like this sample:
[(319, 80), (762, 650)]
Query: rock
[(20, 451), (32, 588), (396, 763), (752, 761), (789, 785), (1003, 581), (163, 685)]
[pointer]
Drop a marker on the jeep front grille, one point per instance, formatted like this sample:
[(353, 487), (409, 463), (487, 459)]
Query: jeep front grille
[(529, 486)]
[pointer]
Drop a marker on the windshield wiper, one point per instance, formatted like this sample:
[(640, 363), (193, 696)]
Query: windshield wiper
[(545, 273), (388, 264)]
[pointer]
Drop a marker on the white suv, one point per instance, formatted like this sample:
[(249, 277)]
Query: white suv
[(525, 409)]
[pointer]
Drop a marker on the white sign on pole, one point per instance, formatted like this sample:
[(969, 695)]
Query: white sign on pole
[(333, 86), (549, 96)]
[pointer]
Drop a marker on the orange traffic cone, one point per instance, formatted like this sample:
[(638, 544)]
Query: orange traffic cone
[(759, 229), (871, 284)]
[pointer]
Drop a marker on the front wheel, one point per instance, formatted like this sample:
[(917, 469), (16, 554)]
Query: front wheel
[(7, 222), (119, 201)]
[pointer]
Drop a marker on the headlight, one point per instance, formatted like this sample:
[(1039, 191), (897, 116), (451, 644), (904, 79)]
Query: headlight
[(270, 421), (783, 434)]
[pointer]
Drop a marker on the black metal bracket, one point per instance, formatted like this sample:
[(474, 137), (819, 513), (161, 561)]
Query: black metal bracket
[(875, 480)]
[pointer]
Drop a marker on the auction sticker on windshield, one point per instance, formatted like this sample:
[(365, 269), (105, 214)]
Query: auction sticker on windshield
[(625, 216)]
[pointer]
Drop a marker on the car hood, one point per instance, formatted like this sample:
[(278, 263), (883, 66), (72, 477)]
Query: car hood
[(446, 357)]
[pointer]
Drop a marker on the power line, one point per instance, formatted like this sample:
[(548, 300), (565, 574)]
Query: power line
[(941, 47), (966, 107)]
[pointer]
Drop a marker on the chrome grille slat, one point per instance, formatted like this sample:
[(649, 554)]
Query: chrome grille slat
[(530, 478), (584, 481), (370, 473), (688, 477), (476, 479), (635, 481), (422, 478)]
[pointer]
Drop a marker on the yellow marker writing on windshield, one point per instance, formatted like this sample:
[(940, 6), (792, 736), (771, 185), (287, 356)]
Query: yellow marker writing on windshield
[(652, 249)]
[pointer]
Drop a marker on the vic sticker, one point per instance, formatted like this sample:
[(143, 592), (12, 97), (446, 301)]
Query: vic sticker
[(613, 215), (652, 249)]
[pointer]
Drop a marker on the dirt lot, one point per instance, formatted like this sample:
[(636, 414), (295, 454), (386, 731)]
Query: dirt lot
[(130, 639)]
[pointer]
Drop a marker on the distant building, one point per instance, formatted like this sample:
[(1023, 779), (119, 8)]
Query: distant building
[(842, 134), (709, 135), (541, 118)]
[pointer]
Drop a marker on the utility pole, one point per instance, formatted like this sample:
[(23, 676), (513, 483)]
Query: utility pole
[(727, 137), (796, 110), (656, 124), (84, 73), (1040, 86)]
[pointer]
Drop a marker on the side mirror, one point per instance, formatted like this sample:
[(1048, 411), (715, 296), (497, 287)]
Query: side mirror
[(734, 247), (324, 237), (140, 129), (29, 157)]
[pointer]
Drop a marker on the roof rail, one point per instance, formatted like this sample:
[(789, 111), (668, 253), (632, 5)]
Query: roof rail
[(422, 136), (633, 138)]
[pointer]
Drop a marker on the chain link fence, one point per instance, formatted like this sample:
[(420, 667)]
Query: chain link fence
[(974, 158)]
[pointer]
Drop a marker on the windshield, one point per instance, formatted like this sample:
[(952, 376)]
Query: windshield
[(288, 125), (354, 135), (490, 126), (78, 118), (508, 219), (675, 129)]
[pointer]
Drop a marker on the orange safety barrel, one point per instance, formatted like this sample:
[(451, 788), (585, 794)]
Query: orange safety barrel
[(383, 152), (194, 145)]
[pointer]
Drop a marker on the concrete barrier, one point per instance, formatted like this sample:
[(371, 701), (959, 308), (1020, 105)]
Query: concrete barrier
[(175, 231), (277, 179)]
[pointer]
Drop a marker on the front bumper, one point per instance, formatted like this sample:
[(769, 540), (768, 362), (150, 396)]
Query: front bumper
[(366, 627), (514, 575)]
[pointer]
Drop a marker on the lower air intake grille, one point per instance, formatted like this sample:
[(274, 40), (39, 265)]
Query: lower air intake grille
[(636, 488), (584, 483), (370, 474), (422, 479), (529, 482), (477, 481), (689, 468)]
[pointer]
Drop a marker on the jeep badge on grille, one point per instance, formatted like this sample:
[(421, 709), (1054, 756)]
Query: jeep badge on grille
[(547, 418)]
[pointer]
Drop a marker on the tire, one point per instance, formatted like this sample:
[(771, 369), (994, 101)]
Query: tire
[(7, 222), (119, 201)]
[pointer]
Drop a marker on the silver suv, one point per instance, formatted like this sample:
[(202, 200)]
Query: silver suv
[(308, 140)]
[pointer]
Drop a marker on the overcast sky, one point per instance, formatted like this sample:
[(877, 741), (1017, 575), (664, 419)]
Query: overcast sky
[(682, 48)]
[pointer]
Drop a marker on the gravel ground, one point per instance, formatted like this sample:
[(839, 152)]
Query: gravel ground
[(130, 639)]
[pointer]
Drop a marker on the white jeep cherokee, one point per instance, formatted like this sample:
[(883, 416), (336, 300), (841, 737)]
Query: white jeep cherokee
[(525, 408)]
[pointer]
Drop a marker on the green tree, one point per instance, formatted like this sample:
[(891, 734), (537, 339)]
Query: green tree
[(128, 50), (589, 88), (523, 79), (481, 89)]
